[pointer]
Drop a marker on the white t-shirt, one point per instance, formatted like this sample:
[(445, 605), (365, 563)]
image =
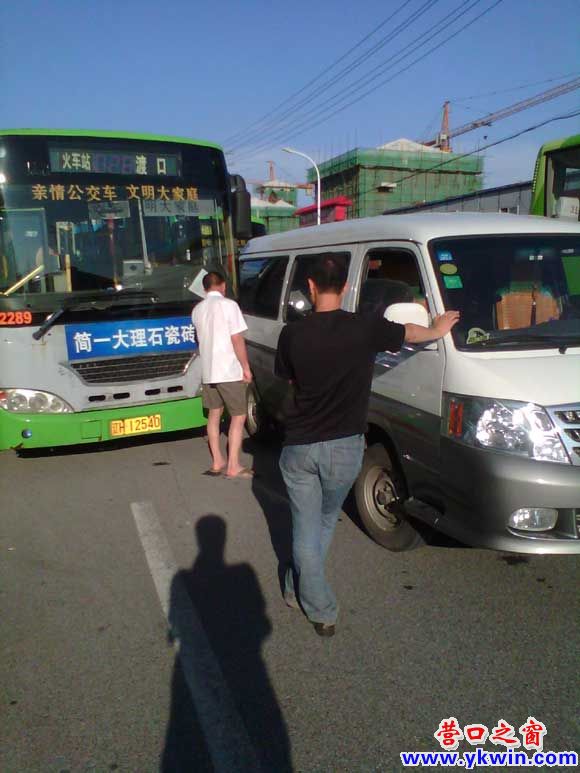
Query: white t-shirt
[(216, 320)]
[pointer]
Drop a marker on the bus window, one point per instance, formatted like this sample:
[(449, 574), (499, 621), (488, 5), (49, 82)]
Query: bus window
[(563, 189)]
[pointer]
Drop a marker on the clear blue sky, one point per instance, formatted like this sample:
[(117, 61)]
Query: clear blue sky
[(208, 70)]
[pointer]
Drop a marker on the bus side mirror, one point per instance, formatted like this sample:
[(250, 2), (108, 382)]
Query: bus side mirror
[(241, 208)]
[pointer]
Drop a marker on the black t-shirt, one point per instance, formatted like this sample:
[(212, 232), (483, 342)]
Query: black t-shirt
[(329, 357)]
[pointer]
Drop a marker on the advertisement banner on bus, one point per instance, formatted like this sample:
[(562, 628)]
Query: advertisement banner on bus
[(136, 336)]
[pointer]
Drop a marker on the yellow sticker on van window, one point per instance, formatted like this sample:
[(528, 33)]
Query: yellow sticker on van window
[(448, 268)]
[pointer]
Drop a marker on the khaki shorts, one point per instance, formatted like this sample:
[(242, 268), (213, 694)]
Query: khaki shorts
[(232, 394)]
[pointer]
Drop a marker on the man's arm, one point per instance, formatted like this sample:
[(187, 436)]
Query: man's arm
[(417, 334), (239, 344)]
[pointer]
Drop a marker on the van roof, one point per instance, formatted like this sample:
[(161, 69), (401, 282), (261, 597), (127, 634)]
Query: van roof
[(416, 227)]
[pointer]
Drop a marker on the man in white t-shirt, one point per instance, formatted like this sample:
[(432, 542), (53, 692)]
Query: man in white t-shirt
[(226, 373)]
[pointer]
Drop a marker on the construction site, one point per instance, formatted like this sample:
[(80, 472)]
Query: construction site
[(399, 175)]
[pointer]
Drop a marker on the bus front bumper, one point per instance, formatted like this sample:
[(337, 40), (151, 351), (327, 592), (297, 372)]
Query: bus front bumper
[(25, 430)]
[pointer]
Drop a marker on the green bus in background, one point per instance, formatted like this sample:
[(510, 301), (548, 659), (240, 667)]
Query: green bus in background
[(101, 236), (556, 183)]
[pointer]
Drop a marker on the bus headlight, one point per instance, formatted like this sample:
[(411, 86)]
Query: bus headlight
[(32, 401), (503, 425)]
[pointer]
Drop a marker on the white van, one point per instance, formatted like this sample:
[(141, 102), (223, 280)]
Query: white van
[(478, 434)]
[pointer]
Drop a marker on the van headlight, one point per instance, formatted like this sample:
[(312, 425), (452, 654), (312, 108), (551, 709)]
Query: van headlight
[(32, 401), (514, 427)]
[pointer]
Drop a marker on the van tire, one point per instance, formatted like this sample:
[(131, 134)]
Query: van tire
[(256, 420), (378, 489)]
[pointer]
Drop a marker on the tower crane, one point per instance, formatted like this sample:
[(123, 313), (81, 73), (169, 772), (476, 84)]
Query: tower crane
[(272, 178), (443, 139)]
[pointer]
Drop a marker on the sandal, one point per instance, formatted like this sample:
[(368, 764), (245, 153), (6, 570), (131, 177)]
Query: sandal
[(214, 473), (244, 474)]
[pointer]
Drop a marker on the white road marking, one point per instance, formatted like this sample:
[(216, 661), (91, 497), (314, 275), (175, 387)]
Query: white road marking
[(226, 736)]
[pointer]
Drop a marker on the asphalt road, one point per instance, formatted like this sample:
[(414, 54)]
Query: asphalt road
[(98, 546)]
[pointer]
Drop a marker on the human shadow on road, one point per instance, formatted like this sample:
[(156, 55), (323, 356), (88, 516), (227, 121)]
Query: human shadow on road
[(224, 608), (270, 492)]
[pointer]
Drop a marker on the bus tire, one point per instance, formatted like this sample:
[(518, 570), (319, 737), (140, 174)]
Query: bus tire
[(379, 491)]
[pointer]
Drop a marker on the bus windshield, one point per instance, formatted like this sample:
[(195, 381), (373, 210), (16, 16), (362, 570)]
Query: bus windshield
[(86, 215), (513, 292)]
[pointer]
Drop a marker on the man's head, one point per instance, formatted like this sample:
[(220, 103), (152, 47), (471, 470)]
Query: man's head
[(213, 281), (327, 277)]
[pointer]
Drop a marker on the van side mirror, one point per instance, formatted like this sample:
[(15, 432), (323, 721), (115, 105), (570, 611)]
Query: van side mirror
[(407, 314), (410, 314), (241, 208)]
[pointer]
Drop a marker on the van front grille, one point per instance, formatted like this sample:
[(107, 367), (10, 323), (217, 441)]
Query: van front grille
[(567, 421), (119, 370)]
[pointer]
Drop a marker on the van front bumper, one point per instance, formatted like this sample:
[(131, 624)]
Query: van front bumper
[(482, 488), (20, 431)]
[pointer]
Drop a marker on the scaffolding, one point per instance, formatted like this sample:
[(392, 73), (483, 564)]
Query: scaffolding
[(377, 179)]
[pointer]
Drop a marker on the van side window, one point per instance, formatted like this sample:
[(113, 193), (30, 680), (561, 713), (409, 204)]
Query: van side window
[(298, 302), (390, 276), (260, 285)]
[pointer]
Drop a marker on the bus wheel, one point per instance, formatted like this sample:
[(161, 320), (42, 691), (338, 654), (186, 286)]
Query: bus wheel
[(379, 492), (256, 421)]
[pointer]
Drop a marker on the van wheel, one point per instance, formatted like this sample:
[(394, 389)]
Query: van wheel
[(256, 420), (379, 491)]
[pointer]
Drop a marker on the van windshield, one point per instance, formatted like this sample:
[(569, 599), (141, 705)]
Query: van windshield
[(513, 292)]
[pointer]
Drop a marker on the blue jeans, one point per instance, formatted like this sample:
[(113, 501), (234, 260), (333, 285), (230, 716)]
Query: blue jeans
[(318, 477)]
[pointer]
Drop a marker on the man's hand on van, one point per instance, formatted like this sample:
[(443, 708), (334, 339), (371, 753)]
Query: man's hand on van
[(444, 322), (417, 334)]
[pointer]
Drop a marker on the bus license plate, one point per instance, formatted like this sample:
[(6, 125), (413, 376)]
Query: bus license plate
[(138, 425)]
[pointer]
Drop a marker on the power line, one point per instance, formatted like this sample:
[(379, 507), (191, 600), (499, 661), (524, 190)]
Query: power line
[(497, 115), (343, 94), (320, 75), (477, 151), (323, 88), (392, 77), (458, 157), (514, 88), (345, 91)]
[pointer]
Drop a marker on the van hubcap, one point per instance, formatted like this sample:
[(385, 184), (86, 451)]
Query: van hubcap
[(385, 497)]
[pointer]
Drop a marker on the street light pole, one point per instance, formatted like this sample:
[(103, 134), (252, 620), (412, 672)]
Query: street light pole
[(299, 153)]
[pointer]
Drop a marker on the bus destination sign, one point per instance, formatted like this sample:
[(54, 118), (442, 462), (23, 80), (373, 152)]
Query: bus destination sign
[(90, 161)]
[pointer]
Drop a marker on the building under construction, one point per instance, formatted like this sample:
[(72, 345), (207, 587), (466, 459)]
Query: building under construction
[(398, 174)]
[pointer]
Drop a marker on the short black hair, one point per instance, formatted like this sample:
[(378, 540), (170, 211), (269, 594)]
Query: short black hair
[(329, 273), (212, 279)]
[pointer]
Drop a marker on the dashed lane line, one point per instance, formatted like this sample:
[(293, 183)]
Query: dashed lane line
[(227, 739)]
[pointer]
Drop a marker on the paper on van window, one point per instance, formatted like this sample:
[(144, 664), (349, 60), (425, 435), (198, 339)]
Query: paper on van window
[(196, 287), (443, 255), (448, 269)]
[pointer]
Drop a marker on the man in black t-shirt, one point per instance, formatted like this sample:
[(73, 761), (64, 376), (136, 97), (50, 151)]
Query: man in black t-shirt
[(329, 358)]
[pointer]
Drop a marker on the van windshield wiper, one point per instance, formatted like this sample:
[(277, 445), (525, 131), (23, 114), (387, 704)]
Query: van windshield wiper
[(99, 300), (562, 342)]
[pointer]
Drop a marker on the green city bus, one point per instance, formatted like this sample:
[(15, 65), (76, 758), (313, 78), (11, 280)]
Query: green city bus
[(556, 183), (101, 237)]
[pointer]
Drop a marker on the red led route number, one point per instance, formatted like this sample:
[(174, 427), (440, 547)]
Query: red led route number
[(15, 317)]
